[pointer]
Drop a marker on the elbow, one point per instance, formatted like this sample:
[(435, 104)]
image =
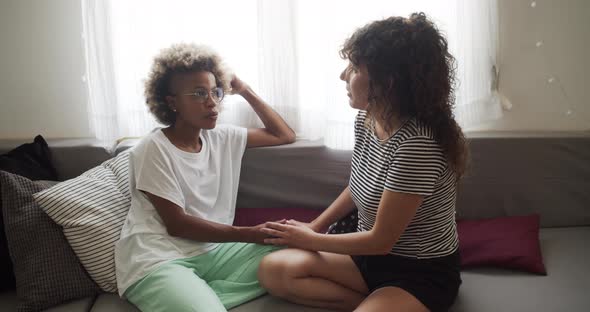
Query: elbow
[(383, 249), (173, 232), (175, 228), (290, 138)]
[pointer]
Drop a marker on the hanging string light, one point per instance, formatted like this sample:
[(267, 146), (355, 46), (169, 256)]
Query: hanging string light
[(553, 79)]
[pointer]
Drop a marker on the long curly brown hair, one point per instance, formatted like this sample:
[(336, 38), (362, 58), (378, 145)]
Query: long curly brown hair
[(411, 75)]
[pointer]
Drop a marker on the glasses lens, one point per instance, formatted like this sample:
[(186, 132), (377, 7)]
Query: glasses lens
[(217, 94), (201, 95)]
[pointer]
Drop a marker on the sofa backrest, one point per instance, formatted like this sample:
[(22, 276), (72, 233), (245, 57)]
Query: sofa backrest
[(548, 174), (540, 173), (511, 174), (70, 157)]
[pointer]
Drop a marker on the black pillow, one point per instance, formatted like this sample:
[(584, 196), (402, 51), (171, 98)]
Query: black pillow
[(30, 160), (33, 161)]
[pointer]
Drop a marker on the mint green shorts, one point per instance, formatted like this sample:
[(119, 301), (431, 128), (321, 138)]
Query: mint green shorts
[(217, 280)]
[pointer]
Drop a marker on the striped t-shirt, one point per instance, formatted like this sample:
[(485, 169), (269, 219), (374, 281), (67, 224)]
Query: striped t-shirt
[(410, 161)]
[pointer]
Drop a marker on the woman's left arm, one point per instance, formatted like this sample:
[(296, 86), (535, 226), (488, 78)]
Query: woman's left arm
[(275, 131), (395, 212)]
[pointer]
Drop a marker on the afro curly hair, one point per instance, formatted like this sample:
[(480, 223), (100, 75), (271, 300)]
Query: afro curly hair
[(180, 58)]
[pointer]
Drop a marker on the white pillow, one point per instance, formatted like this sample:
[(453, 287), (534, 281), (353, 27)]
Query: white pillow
[(92, 208)]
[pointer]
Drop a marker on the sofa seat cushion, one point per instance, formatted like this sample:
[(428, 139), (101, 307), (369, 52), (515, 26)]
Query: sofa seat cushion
[(80, 305), (9, 303), (268, 303), (112, 303), (564, 288)]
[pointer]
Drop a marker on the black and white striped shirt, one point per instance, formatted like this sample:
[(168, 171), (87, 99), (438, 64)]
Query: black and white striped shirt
[(412, 162)]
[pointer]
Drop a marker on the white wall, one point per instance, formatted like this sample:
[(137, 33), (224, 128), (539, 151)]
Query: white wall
[(42, 64), (563, 26), (41, 69)]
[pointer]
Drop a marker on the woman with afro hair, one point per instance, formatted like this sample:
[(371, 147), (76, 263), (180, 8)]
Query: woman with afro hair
[(178, 249)]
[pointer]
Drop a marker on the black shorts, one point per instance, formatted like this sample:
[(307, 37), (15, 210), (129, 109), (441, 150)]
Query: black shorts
[(434, 282)]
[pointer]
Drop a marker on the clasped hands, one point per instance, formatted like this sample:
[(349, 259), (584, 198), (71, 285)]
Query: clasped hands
[(289, 233)]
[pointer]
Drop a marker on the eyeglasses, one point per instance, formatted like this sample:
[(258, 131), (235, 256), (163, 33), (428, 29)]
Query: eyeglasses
[(202, 95)]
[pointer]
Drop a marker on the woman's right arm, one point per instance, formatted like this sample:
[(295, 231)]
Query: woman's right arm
[(180, 224), (338, 209)]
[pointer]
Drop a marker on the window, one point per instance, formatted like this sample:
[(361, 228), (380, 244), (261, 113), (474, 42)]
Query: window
[(287, 50)]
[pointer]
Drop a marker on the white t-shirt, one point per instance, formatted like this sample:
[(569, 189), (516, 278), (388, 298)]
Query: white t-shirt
[(204, 184)]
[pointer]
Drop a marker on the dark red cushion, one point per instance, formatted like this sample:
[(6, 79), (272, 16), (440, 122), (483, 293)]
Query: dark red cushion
[(507, 242), (254, 216)]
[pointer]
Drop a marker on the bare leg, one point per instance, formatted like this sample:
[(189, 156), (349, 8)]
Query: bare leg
[(391, 299), (313, 278)]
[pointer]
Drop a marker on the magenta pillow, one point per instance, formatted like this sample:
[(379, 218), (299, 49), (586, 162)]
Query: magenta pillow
[(254, 216), (507, 242)]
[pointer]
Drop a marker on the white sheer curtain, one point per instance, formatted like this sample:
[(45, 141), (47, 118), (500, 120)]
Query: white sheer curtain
[(102, 90), (287, 50), (476, 50)]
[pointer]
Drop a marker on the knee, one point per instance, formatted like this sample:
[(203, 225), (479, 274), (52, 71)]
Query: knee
[(271, 273), (277, 271)]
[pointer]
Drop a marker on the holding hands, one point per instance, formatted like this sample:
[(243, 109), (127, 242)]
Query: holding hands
[(290, 233), (256, 234)]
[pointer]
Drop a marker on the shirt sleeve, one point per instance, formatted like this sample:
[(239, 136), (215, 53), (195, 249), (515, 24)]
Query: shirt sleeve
[(360, 130), (359, 124), (153, 172), (416, 166), (236, 137)]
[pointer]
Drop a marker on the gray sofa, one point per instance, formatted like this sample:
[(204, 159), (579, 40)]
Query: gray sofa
[(512, 174)]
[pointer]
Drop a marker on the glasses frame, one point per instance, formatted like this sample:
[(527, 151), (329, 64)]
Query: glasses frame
[(209, 95)]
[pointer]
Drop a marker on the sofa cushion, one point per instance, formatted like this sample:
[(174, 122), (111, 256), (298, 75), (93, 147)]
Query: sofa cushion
[(564, 288), (112, 303), (46, 269), (92, 209), (78, 305), (31, 160), (254, 216), (268, 303), (9, 303), (508, 242)]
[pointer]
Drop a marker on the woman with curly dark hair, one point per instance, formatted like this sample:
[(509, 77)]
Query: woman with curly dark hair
[(408, 157)]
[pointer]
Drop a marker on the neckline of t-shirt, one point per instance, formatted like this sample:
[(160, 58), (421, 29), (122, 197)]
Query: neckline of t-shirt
[(387, 140), (186, 154)]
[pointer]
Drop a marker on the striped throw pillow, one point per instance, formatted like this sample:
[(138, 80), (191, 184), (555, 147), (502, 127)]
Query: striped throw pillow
[(92, 209)]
